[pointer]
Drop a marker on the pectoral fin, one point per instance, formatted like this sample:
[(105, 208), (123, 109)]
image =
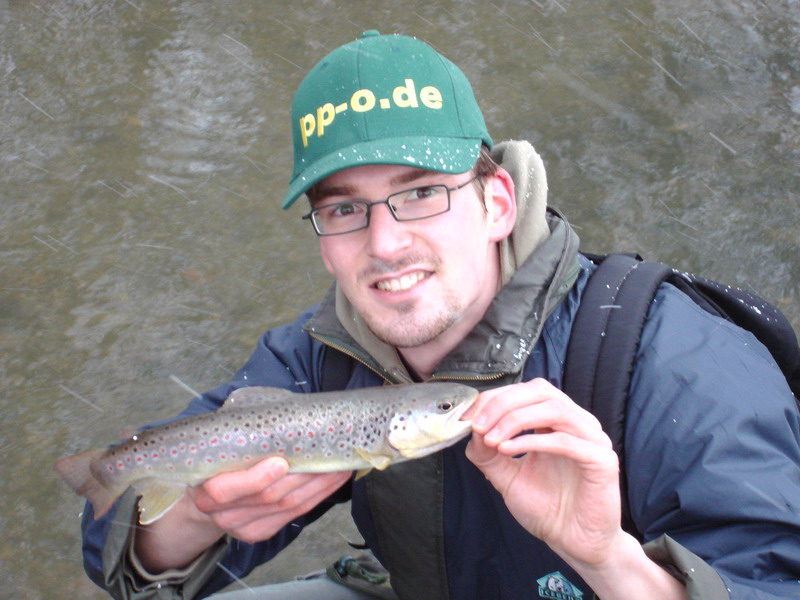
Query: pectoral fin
[(157, 498), (379, 461), (362, 473)]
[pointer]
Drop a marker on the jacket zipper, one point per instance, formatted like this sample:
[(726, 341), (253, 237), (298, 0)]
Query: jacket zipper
[(384, 375), (352, 354)]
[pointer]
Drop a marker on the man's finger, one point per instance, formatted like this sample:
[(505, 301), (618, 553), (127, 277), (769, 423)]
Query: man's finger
[(229, 487)]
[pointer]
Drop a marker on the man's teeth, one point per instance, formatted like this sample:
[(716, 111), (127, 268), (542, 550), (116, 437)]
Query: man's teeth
[(401, 283)]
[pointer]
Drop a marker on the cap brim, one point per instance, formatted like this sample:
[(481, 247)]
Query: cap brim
[(444, 155)]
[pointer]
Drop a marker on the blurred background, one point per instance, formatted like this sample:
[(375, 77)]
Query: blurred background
[(145, 148)]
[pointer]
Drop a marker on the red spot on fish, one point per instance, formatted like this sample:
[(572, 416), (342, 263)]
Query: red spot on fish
[(189, 462), (209, 459), (330, 429), (154, 455), (264, 445), (281, 451), (174, 452), (110, 467), (349, 428), (182, 447), (170, 468), (140, 459), (192, 448), (264, 432), (213, 441), (120, 465), (310, 434), (298, 448), (223, 456), (202, 444), (149, 467), (227, 437), (241, 441), (290, 435)]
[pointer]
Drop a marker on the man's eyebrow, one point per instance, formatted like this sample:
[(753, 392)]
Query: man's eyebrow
[(410, 176), (324, 191)]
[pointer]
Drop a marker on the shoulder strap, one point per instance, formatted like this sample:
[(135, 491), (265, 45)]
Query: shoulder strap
[(603, 344)]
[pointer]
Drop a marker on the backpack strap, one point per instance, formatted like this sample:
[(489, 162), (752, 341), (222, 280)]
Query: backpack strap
[(603, 345)]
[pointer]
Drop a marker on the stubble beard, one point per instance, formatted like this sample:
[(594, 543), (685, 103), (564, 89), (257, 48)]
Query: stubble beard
[(410, 330)]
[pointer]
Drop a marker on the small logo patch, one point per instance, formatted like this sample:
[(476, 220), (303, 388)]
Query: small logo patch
[(556, 587)]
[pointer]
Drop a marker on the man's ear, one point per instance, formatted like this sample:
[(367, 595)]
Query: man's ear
[(501, 205)]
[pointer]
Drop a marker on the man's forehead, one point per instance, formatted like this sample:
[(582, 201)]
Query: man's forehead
[(377, 174)]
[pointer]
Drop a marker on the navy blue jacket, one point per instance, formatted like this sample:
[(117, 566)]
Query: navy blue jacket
[(712, 457)]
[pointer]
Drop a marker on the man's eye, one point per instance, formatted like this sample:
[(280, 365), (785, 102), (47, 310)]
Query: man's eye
[(344, 209), (423, 193)]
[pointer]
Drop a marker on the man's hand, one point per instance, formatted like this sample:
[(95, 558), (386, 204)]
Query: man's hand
[(553, 464), (254, 504), (250, 505), (559, 477)]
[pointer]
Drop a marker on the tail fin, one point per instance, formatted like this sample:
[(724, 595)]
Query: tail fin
[(77, 473)]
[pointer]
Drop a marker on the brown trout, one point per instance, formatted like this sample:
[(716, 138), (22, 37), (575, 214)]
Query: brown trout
[(330, 431)]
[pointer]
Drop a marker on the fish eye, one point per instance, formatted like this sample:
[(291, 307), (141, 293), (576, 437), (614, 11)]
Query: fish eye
[(445, 405)]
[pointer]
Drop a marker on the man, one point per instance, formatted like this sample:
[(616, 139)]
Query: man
[(448, 267)]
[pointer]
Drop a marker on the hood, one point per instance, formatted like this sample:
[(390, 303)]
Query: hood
[(538, 267)]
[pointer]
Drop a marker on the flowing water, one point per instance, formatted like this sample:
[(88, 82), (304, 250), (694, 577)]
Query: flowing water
[(145, 148)]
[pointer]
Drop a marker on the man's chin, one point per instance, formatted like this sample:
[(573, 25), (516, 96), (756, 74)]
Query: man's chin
[(406, 333)]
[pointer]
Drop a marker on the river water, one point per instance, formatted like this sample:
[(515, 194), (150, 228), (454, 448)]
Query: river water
[(145, 148)]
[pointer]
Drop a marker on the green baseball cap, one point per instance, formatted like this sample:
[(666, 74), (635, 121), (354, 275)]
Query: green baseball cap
[(383, 99)]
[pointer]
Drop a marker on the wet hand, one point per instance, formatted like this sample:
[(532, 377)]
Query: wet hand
[(253, 504), (562, 482)]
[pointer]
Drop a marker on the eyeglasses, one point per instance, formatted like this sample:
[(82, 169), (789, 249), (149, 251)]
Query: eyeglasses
[(408, 205)]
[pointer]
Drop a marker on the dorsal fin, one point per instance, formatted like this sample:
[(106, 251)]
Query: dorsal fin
[(256, 396)]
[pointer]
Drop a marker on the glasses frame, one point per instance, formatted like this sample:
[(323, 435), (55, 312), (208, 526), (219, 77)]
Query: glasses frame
[(368, 206)]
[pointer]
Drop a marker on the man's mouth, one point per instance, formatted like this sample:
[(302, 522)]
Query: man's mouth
[(400, 284)]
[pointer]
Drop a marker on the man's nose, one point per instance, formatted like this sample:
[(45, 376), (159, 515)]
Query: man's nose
[(387, 236)]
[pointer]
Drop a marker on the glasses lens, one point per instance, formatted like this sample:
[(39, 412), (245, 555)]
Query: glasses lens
[(340, 217), (420, 202)]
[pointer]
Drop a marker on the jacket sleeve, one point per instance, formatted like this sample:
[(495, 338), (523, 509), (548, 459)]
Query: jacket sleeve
[(712, 452), (284, 357)]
